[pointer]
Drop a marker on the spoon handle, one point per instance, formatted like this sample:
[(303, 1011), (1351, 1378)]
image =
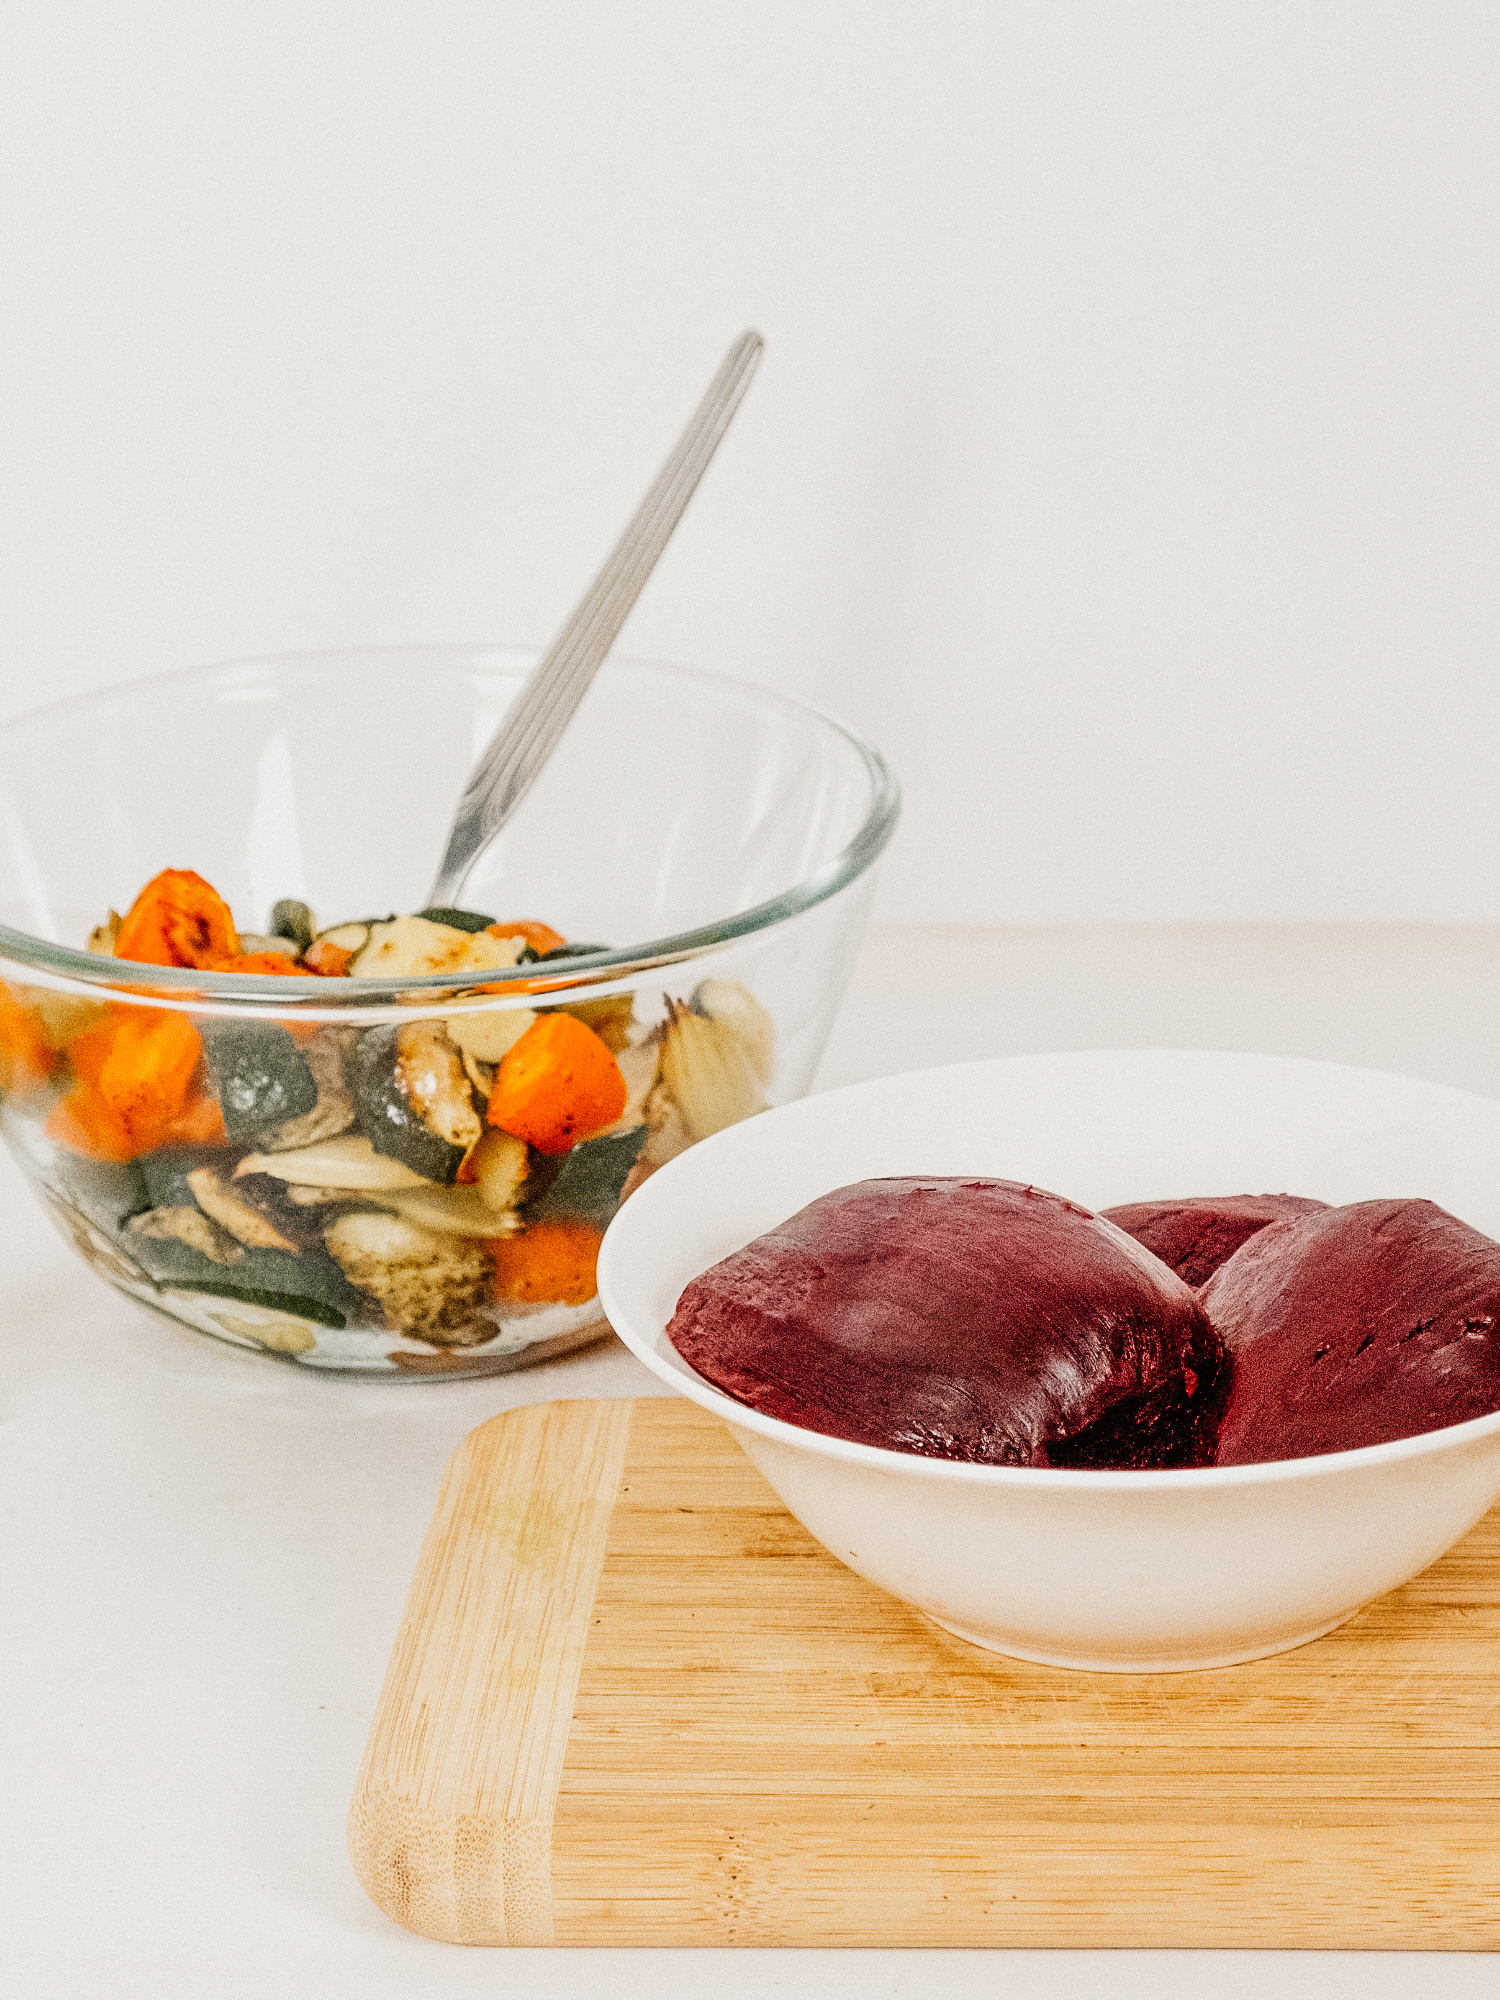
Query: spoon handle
[(515, 754)]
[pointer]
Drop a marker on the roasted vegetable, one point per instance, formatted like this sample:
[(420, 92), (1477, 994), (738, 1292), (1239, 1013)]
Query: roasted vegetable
[(541, 937), (61, 1017), (268, 1326), (134, 1078), (708, 1072), (274, 964), (331, 954), (432, 1074), (638, 1065), (487, 1036), (233, 1211), (667, 1131), (553, 1263), (189, 1226), (251, 945), (260, 1077), (324, 1054), (735, 1007), (457, 920), (411, 947), (592, 1177), (452, 1211), (200, 1122), (611, 1019), (573, 949), (427, 1284), (498, 1167), (26, 1057), (386, 1114), (557, 1085), (294, 921), (349, 1165), (309, 1285), (104, 1191), (177, 919), (165, 1174)]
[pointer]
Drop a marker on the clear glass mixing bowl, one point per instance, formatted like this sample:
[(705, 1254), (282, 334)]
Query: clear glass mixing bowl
[(710, 847)]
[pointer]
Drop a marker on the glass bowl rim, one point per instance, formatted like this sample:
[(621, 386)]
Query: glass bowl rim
[(258, 990)]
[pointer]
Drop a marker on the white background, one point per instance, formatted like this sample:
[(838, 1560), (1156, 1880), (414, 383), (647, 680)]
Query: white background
[(1124, 459)]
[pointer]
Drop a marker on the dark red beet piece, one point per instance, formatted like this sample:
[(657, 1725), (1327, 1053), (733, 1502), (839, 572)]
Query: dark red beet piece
[(1355, 1327), (968, 1319), (1200, 1232)]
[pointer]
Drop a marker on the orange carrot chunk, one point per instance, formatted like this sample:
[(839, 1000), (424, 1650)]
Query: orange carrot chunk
[(328, 961), (553, 1263), (556, 1084), (275, 962), (541, 937), (200, 1122), (26, 1056), (178, 919), (134, 1076), (85, 1124)]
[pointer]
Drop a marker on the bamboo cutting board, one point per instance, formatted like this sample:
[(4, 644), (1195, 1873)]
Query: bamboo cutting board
[(632, 1702)]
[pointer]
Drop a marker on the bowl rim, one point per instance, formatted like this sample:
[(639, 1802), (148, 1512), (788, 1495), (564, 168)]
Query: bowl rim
[(669, 1366), (590, 969)]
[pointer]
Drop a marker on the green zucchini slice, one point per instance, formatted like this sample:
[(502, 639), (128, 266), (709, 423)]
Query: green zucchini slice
[(457, 920), (311, 1285), (592, 1175), (386, 1116), (259, 1077), (294, 920)]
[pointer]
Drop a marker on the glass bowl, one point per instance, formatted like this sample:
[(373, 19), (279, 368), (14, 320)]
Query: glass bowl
[(278, 1180)]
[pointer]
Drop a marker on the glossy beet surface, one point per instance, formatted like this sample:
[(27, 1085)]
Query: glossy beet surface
[(1200, 1232), (1354, 1327), (967, 1319)]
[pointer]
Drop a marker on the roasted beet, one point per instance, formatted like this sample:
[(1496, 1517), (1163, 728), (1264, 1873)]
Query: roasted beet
[(1202, 1231), (968, 1319), (1356, 1326)]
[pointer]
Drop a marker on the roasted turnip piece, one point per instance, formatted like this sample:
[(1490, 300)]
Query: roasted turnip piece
[(1354, 1327), (427, 1284), (967, 1319), (1200, 1232)]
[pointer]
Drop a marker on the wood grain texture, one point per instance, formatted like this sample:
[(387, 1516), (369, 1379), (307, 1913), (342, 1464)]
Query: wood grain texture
[(766, 1750), (450, 1825)]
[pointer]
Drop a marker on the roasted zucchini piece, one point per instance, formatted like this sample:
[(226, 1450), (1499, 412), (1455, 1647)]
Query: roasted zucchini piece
[(593, 1173), (386, 1114), (310, 1286), (259, 1076), (334, 1111), (100, 1190), (294, 920), (165, 1172), (457, 920)]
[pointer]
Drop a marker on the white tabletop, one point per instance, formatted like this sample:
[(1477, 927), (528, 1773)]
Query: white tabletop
[(206, 1554)]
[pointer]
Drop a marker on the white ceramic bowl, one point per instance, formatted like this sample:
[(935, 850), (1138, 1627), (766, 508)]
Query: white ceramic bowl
[(1121, 1571)]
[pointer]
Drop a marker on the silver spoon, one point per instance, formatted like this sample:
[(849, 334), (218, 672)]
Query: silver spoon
[(515, 754)]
